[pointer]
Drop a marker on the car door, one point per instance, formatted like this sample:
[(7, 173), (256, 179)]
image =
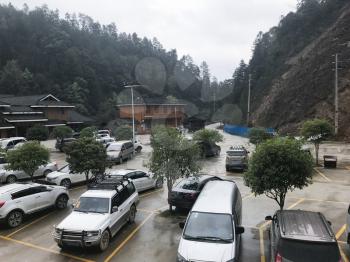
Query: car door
[(43, 197), (119, 217), (273, 238), (136, 180), (26, 199), (148, 181)]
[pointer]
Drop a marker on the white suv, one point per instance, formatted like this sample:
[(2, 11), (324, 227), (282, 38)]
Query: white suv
[(98, 215), (64, 177), (18, 200)]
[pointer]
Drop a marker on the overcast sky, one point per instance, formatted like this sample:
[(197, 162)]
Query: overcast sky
[(220, 32)]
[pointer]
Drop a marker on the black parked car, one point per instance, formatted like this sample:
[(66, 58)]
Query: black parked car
[(209, 149), (62, 144), (185, 192), (302, 236)]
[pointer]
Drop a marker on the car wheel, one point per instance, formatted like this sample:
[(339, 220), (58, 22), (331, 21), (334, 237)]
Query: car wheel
[(138, 149), (132, 214), (66, 183), (11, 179), (121, 160), (104, 242), (61, 202), (47, 172), (15, 218), (159, 183)]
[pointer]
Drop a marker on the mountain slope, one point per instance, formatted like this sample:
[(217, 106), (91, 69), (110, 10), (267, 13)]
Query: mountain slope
[(303, 87)]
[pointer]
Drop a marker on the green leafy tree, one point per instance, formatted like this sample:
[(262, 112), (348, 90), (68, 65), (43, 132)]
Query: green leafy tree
[(38, 132), (62, 132), (29, 157), (173, 156), (278, 165), (123, 133), (208, 135), (86, 155), (316, 131), (88, 131), (258, 135)]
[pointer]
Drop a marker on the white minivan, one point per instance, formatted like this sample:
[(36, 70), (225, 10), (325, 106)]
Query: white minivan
[(213, 227)]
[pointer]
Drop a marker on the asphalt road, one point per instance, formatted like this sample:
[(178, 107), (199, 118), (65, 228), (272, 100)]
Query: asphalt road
[(155, 234)]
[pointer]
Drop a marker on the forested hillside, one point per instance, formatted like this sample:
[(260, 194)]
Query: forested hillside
[(88, 64), (291, 67)]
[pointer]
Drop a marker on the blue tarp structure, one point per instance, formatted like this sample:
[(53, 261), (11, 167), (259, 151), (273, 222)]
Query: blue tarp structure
[(242, 130)]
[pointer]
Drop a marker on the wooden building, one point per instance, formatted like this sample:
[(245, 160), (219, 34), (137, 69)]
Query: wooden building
[(18, 113), (150, 113)]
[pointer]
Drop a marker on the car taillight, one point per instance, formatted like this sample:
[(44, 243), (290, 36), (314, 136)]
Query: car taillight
[(2, 203), (278, 258)]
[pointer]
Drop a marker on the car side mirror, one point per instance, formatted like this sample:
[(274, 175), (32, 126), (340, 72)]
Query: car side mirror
[(182, 225), (268, 218), (114, 209), (239, 230)]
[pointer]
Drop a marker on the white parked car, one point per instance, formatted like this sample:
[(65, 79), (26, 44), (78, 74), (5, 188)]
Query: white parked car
[(10, 143), (98, 215), (64, 177), (141, 179), (11, 176), (18, 200)]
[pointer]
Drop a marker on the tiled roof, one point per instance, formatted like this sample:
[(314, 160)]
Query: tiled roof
[(76, 117), (31, 100)]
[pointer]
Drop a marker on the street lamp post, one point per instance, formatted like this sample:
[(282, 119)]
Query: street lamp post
[(132, 112)]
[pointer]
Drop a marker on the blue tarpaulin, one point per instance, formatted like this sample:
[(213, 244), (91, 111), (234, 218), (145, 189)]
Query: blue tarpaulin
[(242, 130)]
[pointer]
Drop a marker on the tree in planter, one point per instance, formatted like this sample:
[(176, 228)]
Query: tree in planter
[(62, 132), (86, 155), (38, 132), (28, 158), (258, 135), (123, 132), (88, 131), (173, 155), (208, 135), (316, 131), (279, 165)]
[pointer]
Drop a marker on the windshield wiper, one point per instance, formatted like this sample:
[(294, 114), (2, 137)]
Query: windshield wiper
[(208, 238)]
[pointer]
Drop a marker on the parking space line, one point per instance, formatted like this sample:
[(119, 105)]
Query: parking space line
[(322, 175), (340, 232), (118, 248), (45, 249), (150, 193), (248, 196), (262, 245), (296, 203), (321, 200), (28, 225), (79, 187)]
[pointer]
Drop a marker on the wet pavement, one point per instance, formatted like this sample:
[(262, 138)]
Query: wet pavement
[(155, 234)]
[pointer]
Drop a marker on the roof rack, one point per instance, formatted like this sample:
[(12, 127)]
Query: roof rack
[(109, 184)]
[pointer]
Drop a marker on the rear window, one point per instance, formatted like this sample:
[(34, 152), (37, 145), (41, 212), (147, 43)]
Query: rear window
[(303, 251), (188, 184), (235, 153)]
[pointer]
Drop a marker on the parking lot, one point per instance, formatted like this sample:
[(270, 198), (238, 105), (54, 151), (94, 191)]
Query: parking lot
[(155, 234)]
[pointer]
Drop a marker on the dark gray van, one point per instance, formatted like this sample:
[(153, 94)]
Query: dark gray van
[(302, 236)]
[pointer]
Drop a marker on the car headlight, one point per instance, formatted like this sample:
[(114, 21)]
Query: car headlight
[(180, 258), (92, 233)]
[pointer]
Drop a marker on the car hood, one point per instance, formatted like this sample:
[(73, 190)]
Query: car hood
[(55, 174), (78, 221), (206, 251), (113, 153)]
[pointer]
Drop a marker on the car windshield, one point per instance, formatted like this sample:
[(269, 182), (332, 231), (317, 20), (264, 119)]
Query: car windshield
[(305, 251), (114, 147), (235, 153), (209, 227), (188, 184), (64, 169), (92, 205)]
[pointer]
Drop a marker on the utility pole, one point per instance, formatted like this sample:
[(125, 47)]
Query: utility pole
[(336, 98), (214, 100), (249, 91)]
